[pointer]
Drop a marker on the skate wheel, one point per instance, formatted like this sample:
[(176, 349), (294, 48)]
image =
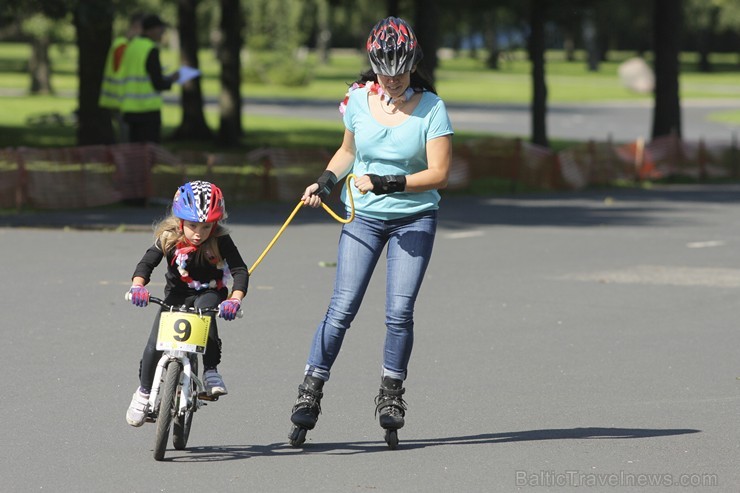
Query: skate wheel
[(297, 436), (391, 438)]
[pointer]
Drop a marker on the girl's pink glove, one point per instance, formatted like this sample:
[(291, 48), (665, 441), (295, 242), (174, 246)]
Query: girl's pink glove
[(139, 295), (229, 308)]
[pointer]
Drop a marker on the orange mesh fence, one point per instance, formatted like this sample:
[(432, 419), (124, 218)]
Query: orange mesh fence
[(239, 177), (290, 171), (10, 179), (67, 178), (539, 167), (595, 163), (699, 160), (100, 175), (459, 177), (492, 157)]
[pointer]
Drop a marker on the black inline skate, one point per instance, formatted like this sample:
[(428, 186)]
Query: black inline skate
[(391, 409), (306, 409)]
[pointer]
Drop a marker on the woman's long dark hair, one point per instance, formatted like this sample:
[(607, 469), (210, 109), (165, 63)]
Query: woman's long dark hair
[(420, 80)]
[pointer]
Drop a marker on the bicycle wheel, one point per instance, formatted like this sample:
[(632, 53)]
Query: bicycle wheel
[(167, 408), (181, 425)]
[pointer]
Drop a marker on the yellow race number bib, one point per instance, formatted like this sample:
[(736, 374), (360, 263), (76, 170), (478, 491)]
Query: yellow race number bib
[(183, 332)]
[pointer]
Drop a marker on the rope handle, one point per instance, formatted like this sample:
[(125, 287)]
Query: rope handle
[(295, 211)]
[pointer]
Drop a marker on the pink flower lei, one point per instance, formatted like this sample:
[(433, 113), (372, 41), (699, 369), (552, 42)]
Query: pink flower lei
[(374, 88), (182, 254)]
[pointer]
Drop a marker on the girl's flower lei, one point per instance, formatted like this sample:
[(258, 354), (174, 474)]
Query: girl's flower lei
[(182, 253), (374, 88)]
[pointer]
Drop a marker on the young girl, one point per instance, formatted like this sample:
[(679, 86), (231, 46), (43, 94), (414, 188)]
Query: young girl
[(201, 257)]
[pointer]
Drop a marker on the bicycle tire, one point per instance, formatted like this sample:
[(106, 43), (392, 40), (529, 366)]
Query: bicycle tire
[(166, 408), (181, 425)]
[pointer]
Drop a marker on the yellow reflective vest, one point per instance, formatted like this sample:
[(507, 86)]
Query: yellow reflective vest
[(111, 90), (138, 94)]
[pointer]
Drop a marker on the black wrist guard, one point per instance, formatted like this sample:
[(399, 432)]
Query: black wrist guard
[(387, 184), (326, 183)]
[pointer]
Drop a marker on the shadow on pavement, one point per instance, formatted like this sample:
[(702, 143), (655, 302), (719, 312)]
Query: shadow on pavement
[(236, 452), (615, 207)]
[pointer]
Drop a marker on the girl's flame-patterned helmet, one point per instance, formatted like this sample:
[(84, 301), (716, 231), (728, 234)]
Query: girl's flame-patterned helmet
[(199, 202), (392, 47)]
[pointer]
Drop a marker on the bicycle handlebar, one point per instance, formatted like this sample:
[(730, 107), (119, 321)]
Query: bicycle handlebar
[(191, 309), (183, 308)]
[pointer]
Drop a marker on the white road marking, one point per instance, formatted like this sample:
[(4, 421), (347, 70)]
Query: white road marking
[(705, 244), (463, 234), (664, 275)]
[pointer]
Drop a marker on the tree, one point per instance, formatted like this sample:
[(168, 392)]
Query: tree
[(323, 30), (230, 128), (40, 29), (41, 22), (622, 24), (426, 27), (667, 22), (704, 17), (193, 125), (537, 16), (93, 20)]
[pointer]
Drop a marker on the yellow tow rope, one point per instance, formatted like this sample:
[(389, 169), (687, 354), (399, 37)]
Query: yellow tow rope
[(295, 211)]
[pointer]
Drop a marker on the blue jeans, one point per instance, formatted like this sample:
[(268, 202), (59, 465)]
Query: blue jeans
[(409, 241)]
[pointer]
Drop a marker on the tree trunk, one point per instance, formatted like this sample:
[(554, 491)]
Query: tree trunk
[(193, 125), (426, 26), (667, 19), (537, 58), (40, 66), (230, 129), (490, 35), (323, 36), (706, 40), (93, 21), (591, 40)]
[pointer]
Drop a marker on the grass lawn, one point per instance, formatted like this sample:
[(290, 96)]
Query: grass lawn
[(46, 120), (461, 79)]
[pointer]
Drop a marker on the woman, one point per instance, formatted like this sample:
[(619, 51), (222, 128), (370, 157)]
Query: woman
[(398, 141)]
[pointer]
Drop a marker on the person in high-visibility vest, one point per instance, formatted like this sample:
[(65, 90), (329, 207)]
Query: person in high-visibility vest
[(111, 90), (141, 102)]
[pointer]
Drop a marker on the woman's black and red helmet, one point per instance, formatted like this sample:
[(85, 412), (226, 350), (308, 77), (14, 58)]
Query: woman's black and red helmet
[(392, 47)]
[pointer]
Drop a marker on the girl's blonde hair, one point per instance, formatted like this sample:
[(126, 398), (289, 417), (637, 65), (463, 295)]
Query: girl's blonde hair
[(169, 232)]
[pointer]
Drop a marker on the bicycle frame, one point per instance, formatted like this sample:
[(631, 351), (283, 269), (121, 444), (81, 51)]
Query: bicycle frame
[(185, 401), (183, 334)]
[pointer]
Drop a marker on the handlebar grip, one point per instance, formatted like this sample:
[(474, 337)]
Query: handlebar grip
[(157, 301)]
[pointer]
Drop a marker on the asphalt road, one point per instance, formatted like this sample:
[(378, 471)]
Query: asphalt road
[(574, 340), (624, 121)]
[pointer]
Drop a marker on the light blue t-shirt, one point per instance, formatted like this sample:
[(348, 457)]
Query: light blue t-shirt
[(399, 150)]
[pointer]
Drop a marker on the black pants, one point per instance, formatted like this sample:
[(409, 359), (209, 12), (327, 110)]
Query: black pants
[(206, 299), (144, 127)]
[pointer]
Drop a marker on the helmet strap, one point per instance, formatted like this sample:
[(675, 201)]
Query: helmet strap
[(184, 236), (403, 98)]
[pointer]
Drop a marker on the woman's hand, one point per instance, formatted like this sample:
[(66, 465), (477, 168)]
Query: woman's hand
[(363, 184), (310, 197)]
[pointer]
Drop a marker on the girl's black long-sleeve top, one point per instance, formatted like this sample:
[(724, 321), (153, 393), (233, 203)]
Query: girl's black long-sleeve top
[(204, 272)]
